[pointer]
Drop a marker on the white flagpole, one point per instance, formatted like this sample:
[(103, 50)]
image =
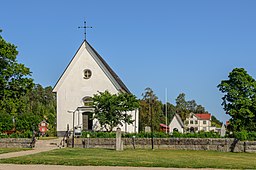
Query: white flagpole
[(166, 109)]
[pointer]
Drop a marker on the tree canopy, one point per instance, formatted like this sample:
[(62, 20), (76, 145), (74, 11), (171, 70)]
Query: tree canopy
[(111, 109), (149, 104), (22, 103), (183, 107), (239, 100)]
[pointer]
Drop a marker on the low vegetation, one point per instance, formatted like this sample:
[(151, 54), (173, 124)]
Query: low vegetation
[(155, 135), (140, 158), (7, 150)]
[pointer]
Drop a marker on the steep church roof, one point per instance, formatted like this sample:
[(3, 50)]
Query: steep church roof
[(113, 76)]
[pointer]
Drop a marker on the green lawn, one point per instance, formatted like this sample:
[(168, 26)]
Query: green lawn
[(7, 150), (144, 158)]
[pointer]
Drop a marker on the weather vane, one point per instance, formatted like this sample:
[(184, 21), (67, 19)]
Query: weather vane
[(85, 27)]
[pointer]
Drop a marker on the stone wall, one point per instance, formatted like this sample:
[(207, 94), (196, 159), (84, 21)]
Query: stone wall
[(221, 144), (15, 142)]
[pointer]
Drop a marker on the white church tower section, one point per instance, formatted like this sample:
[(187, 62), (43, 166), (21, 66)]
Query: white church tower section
[(86, 75)]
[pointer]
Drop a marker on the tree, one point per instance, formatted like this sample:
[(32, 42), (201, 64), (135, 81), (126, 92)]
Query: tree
[(182, 106), (150, 105), (22, 104), (111, 109), (14, 79), (239, 100), (215, 122)]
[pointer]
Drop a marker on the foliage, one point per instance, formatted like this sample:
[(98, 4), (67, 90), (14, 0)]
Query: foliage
[(150, 111), (181, 106), (239, 100), (14, 78), (184, 108), (171, 110), (196, 135), (111, 109), (244, 135), (6, 122), (148, 135), (41, 104), (215, 122), (26, 134)]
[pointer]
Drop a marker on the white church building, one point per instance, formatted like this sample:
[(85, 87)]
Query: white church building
[(86, 75)]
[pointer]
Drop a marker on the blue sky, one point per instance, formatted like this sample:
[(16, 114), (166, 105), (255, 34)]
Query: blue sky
[(185, 46)]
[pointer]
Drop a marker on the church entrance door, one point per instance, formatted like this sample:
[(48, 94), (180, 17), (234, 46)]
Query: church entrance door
[(87, 121)]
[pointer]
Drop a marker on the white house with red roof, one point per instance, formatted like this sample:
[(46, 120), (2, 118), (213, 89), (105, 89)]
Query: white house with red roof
[(199, 122)]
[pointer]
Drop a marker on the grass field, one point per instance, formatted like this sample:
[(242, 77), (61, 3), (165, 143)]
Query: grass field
[(144, 158), (7, 150)]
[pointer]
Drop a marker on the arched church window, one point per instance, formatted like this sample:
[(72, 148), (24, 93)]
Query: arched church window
[(87, 101), (87, 74), (175, 130)]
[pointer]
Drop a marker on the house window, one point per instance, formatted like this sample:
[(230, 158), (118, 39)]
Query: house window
[(204, 122), (191, 122), (196, 128), (87, 74), (196, 122)]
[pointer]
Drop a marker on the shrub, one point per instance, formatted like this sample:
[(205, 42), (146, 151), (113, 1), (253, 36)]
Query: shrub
[(155, 135), (244, 135)]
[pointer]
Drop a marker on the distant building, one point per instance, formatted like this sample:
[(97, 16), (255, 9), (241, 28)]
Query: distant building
[(199, 122), (176, 124), (193, 123)]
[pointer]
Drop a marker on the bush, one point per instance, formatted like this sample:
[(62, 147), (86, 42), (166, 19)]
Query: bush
[(196, 135), (244, 135), (155, 135), (26, 134)]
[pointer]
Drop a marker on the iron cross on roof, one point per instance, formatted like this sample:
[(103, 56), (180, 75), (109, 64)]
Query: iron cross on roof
[(85, 27)]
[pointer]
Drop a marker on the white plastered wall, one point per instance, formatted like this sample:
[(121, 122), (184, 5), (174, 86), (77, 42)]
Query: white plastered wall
[(72, 88)]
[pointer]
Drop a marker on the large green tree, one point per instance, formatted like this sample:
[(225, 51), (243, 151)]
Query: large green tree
[(15, 81), (150, 111), (111, 109), (22, 104), (239, 100), (181, 106)]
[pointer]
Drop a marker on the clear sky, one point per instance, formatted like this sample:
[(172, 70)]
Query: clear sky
[(185, 46)]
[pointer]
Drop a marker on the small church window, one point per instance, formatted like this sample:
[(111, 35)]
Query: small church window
[(87, 73), (87, 101)]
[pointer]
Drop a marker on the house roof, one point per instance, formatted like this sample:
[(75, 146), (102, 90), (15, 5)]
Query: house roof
[(164, 126), (107, 68), (204, 116)]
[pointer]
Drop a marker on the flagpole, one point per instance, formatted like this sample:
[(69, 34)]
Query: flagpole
[(166, 110)]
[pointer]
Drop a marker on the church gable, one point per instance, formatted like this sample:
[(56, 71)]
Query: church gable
[(86, 75), (90, 65)]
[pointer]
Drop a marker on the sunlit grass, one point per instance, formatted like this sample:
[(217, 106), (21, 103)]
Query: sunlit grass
[(7, 150), (140, 158)]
